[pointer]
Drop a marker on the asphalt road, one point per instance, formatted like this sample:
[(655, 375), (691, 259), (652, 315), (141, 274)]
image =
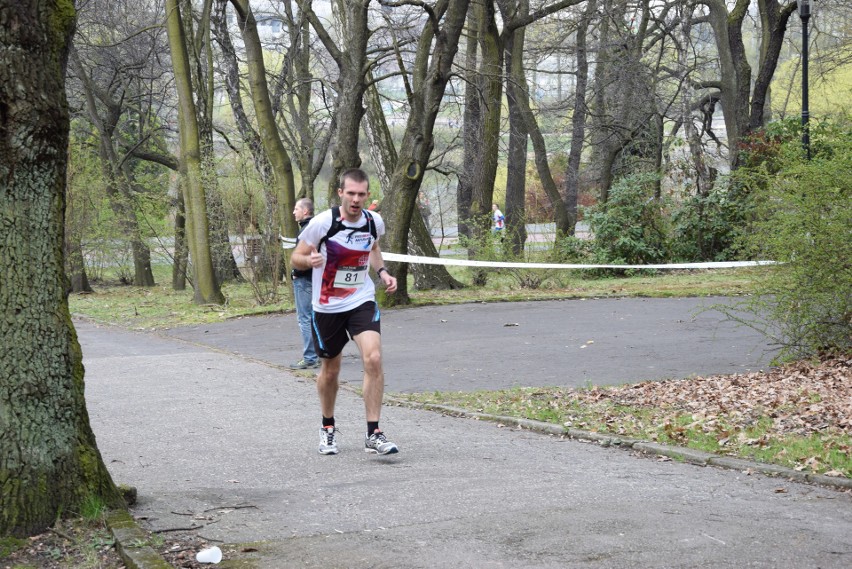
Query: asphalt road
[(225, 444), (500, 345)]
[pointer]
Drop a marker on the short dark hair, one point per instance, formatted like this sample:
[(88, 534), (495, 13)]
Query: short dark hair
[(306, 203), (356, 175)]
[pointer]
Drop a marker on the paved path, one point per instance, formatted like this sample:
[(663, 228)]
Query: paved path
[(499, 345), (228, 443)]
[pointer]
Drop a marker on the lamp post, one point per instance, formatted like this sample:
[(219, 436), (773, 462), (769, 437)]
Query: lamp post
[(805, 15)]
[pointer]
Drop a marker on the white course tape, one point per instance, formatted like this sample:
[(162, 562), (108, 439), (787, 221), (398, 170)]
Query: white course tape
[(397, 258)]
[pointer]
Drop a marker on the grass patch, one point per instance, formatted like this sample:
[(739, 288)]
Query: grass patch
[(9, 545), (92, 508)]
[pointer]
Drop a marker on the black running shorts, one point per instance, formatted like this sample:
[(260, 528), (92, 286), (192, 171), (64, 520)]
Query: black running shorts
[(332, 331)]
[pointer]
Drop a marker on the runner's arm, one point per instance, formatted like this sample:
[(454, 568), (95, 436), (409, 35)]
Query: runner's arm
[(305, 256)]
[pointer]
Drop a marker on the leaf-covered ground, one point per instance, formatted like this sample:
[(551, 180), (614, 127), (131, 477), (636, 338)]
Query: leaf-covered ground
[(805, 405), (75, 543), (798, 415), (78, 544)]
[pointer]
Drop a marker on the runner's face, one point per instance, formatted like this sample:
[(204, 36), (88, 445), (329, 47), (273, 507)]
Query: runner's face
[(353, 197)]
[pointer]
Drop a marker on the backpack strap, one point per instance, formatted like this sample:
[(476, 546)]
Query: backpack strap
[(334, 229), (371, 224), (337, 226)]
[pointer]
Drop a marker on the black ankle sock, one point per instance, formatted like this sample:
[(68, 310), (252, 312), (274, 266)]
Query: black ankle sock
[(328, 421), (372, 427)]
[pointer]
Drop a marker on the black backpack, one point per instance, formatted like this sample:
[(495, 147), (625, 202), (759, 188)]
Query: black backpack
[(337, 226)]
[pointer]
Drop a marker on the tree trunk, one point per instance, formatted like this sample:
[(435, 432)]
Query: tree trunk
[(75, 265), (432, 69), (483, 94), (206, 286), (471, 127), (625, 102), (385, 158), (49, 461), (350, 55), (120, 203), (742, 107), (200, 70), (602, 157), (306, 134), (516, 166), (517, 16), (180, 264), (774, 19), (116, 178), (270, 227), (491, 88), (578, 120), (279, 159)]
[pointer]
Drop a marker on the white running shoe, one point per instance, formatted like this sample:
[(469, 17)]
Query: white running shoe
[(379, 444), (328, 442)]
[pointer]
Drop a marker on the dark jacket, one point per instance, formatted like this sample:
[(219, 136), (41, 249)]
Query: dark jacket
[(301, 273)]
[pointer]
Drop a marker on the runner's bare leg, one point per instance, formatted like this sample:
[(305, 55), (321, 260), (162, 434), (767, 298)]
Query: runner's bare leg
[(328, 384), (370, 345)]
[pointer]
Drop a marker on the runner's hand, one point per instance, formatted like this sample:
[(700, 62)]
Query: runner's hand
[(390, 282), (316, 258)]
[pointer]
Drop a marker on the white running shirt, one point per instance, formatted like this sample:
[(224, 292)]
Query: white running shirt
[(343, 282)]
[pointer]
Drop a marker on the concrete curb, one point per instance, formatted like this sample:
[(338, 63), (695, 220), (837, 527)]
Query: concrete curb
[(683, 454), (131, 542)]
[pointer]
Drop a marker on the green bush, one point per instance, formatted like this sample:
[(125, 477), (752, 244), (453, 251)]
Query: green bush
[(708, 227), (630, 227), (804, 214)]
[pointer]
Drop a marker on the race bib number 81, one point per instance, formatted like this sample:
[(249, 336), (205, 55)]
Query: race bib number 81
[(350, 277)]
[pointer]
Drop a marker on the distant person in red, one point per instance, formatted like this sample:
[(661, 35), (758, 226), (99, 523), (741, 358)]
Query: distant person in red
[(374, 205)]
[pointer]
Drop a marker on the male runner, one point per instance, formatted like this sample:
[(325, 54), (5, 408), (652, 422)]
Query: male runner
[(344, 302)]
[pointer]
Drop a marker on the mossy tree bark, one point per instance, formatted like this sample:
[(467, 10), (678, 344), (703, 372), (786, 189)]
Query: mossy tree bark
[(180, 262), (49, 461)]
